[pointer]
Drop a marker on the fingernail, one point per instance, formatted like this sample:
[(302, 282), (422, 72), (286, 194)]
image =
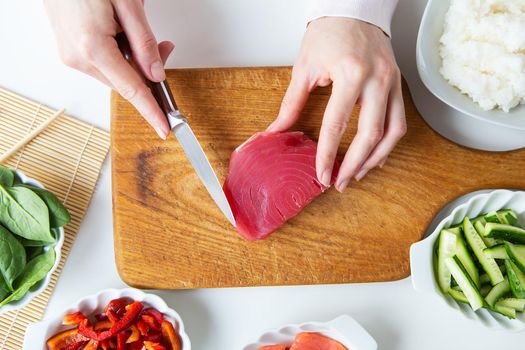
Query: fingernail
[(382, 163), (360, 174), (326, 176), (157, 71), (271, 126), (341, 186), (162, 133)]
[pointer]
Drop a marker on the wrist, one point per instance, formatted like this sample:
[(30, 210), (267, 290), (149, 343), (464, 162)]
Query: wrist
[(376, 12)]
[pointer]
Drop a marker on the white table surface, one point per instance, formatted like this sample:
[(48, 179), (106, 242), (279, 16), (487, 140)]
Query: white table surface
[(216, 33)]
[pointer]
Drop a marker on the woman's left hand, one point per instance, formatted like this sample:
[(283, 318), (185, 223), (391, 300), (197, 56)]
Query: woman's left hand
[(357, 59)]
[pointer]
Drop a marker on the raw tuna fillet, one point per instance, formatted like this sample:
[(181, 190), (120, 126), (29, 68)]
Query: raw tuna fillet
[(271, 178), (315, 341)]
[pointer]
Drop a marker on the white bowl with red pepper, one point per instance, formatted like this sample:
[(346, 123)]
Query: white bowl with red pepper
[(112, 319)]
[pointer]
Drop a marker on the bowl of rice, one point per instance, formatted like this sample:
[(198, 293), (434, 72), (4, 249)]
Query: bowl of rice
[(471, 55)]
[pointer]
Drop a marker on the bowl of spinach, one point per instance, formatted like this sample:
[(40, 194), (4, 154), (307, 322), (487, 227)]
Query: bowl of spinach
[(31, 238)]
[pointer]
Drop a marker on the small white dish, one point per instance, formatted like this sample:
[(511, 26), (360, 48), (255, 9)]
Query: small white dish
[(428, 65), (344, 329), (38, 333), (57, 246), (421, 254)]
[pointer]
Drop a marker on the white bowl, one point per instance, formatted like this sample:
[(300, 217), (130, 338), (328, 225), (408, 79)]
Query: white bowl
[(57, 246), (421, 253), (38, 333), (429, 63), (344, 329)]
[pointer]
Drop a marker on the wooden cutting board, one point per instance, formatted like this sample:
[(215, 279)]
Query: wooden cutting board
[(169, 234)]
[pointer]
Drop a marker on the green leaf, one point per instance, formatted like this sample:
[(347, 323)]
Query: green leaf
[(33, 252), (24, 213), (35, 271), (31, 243), (12, 257), (58, 214), (4, 291), (7, 176)]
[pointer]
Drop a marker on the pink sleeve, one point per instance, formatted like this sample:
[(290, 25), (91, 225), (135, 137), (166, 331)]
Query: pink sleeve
[(377, 12)]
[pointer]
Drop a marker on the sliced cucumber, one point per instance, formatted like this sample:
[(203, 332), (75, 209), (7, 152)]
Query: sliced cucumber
[(504, 310), (516, 254), (476, 243), (516, 304), (497, 292), (479, 225), (466, 283), (458, 295), (516, 279), (464, 255), (492, 217), (446, 249), (509, 217), (485, 290), (506, 232), (496, 252)]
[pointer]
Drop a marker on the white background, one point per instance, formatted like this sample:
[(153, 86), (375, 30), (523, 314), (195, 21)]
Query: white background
[(216, 33)]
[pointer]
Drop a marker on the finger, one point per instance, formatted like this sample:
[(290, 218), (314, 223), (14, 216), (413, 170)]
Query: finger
[(395, 130), (293, 103), (143, 44), (165, 49), (333, 127), (110, 62), (369, 132)]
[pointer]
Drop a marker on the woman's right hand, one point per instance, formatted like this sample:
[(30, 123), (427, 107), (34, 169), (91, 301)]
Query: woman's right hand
[(85, 32)]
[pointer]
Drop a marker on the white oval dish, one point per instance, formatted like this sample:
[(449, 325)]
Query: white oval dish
[(428, 65), (344, 329), (57, 246), (38, 333), (421, 253)]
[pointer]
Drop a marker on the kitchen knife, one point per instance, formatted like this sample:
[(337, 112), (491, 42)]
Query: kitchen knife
[(182, 131)]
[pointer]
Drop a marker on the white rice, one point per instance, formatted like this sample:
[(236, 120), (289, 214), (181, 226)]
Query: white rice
[(483, 51)]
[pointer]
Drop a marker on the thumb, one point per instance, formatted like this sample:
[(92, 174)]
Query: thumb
[(143, 44), (293, 103)]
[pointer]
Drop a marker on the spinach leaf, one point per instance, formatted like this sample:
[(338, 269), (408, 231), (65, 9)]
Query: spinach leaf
[(35, 271), (4, 291), (33, 252), (7, 176), (58, 214), (31, 243), (24, 213), (12, 257)]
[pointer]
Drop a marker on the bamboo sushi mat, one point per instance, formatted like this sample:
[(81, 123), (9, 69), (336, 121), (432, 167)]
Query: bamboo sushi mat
[(66, 158)]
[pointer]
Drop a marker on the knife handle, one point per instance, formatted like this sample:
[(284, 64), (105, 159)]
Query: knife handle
[(161, 91)]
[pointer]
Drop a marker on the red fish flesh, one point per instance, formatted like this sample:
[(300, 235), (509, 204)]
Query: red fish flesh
[(271, 178)]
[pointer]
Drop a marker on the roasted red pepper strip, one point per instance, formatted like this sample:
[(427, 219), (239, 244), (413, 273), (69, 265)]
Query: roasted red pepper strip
[(118, 305), (135, 334), (92, 345), (159, 317), (170, 336), (112, 316), (70, 339), (143, 327), (151, 321), (121, 341), (153, 346), (73, 319), (132, 312)]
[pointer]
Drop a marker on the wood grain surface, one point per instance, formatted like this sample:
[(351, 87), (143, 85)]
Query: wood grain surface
[(169, 234)]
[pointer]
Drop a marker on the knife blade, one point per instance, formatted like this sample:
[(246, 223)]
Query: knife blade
[(202, 166), (187, 139)]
